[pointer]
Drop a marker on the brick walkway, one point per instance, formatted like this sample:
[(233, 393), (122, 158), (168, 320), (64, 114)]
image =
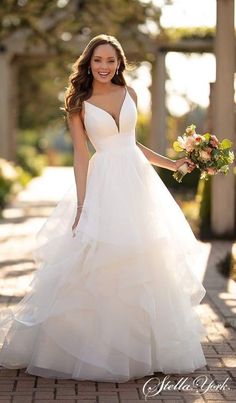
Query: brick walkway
[(22, 219)]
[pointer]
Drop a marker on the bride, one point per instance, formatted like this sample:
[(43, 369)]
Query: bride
[(115, 292)]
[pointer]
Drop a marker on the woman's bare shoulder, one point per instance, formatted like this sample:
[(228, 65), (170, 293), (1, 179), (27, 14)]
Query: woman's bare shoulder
[(133, 94), (76, 122)]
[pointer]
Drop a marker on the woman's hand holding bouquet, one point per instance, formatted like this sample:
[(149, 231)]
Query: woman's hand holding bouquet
[(205, 151)]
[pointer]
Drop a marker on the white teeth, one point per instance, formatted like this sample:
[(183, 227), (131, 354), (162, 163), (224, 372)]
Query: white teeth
[(103, 74)]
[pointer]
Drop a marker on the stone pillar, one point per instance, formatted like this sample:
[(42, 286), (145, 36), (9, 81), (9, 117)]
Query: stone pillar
[(158, 140), (8, 106), (223, 187), (14, 108)]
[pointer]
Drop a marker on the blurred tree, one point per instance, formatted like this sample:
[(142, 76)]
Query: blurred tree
[(62, 28), (39, 92), (59, 24)]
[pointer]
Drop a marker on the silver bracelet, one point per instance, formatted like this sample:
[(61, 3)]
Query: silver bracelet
[(79, 205)]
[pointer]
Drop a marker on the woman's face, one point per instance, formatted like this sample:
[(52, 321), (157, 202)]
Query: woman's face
[(104, 63)]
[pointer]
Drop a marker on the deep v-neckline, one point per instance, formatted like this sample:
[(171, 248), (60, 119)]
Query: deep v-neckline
[(109, 114)]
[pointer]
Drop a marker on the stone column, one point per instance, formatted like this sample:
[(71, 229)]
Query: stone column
[(223, 187), (7, 107), (158, 140)]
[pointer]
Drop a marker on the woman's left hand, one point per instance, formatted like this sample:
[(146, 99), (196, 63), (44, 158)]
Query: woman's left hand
[(183, 160)]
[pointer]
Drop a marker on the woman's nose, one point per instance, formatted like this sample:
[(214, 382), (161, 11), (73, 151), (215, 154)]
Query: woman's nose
[(105, 66)]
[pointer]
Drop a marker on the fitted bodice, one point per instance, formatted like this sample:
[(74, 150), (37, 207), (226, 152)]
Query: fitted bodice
[(102, 129)]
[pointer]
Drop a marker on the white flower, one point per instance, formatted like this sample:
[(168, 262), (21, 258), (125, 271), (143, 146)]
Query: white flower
[(182, 141)]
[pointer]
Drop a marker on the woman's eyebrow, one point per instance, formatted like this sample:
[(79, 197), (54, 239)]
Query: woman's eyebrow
[(109, 57)]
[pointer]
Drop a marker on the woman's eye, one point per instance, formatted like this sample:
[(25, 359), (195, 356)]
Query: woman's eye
[(110, 61)]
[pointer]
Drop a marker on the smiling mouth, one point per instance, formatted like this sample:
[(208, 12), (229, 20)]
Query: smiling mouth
[(103, 74)]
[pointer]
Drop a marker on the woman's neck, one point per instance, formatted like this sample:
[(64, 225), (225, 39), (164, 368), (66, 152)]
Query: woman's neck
[(102, 88)]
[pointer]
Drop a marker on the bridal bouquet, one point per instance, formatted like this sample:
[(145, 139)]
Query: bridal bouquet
[(208, 154)]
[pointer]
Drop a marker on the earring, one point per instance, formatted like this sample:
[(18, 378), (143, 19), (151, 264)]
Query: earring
[(117, 71), (89, 71)]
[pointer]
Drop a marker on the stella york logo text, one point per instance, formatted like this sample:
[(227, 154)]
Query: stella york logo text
[(154, 386)]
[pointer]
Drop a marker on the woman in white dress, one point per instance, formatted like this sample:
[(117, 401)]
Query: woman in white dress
[(115, 292)]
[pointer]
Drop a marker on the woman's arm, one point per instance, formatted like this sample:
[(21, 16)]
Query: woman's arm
[(155, 158), (81, 155)]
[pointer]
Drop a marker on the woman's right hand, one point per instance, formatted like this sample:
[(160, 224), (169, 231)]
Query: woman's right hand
[(77, 217), (178, 163)]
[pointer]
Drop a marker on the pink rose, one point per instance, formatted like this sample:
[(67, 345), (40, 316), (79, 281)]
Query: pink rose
[(190, 144), (211, 171), (205, 155), (198, 139), (214, 141)]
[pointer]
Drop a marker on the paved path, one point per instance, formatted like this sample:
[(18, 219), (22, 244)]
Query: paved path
[(218, 313)]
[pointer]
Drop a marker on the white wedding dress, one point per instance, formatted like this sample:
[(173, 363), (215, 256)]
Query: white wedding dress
[(118, 300)]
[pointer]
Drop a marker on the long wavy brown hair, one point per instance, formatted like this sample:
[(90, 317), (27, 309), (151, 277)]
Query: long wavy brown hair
[(80, 82)]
